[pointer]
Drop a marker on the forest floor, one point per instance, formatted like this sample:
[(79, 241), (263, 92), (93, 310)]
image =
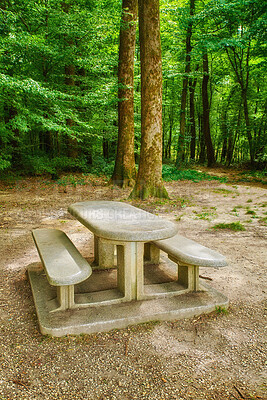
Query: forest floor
[(219, 356)]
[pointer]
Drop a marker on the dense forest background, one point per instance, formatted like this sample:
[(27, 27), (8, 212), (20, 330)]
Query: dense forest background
[(59, 85)]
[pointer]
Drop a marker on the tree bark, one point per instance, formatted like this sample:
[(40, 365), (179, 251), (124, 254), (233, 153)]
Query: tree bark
[(169, 144), (73, 150), (188, 49), (149, 178), (124, 171), (232, 141), (240, 65), (248, 128), (206, 111), (192, 88)]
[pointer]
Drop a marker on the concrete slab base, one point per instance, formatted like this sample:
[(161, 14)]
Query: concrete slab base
[(100, 318)]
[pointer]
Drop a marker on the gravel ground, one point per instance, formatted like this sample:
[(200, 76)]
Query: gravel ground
[(217, 356)]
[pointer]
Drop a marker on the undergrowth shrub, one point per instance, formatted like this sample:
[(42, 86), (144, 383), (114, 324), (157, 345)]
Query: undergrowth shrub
[(233, 226), (171, 173), (39, 165), (5, 161), (102, 166)]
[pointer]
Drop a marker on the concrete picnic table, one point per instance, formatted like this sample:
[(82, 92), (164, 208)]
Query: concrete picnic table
[(128, 228)]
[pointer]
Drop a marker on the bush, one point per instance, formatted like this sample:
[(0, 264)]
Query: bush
[(5, 162), (233, 226), (171, 173), (101, 166), (39, 165)]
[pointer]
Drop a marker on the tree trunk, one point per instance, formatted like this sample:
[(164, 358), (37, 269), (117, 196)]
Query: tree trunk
[(224, 129), (11, 112), (206, 111), (240, 65), (260, 135), (201, 141), (73, 150), (224, 149), (188, 49), (149, 178), (192, 87), (248, 128), (124, 172), (169, 144), (232, 142), (105, 148), (164, 144)]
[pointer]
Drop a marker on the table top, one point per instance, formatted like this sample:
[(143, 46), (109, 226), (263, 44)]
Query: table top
[(120, 221)]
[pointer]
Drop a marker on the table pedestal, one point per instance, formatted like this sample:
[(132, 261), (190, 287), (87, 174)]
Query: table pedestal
[(130, 269), (103, 253)]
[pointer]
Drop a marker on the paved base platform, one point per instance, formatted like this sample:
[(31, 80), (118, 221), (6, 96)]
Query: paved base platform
[(99, 318)]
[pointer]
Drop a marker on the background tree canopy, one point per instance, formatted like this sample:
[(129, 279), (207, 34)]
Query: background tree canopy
[(59, 90)]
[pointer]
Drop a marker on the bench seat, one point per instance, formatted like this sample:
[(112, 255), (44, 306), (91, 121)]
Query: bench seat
[(188, 255), (188, 251), (63, 264)]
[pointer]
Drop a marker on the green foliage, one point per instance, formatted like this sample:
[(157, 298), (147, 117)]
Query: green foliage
[(233, 226), (34, 165), (206, 215), (171, 173), (253, 176), (102, 166), (250, 212), (263, 220), (71, 180), (57, 81), (234, 35), (221, 310), (5, 161), (223, 191), (58, 84)]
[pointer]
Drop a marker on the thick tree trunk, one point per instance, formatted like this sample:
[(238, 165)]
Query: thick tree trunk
[(206, 111), (149, 178), (125, 172)]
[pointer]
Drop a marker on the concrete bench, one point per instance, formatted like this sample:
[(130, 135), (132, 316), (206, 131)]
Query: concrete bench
[(188, 255), (63, 264)]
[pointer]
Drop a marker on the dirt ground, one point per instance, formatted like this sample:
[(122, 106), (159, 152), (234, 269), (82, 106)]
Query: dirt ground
[(217, 356)]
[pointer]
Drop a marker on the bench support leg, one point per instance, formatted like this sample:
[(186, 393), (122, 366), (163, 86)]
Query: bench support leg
[(188, 276), (65, 297), (104, 253), (151, 253)]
